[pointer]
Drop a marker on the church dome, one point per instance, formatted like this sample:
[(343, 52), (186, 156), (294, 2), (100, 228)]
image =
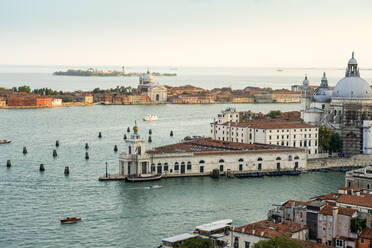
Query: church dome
[(305, 83), (323, 93), (148, 78), (352, 86)]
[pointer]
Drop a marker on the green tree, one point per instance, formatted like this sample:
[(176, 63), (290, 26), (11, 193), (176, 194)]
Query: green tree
[(274, 113), (325, 138), (335, 143), (197, 243), (278, 242)]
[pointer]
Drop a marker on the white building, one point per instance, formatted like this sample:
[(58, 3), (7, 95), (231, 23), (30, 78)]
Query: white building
[(343, 109), (57, 102), (156, 92), (272, 132), (201, 156)]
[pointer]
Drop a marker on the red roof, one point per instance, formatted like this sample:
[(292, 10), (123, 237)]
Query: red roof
[(288, 204), (327, 210), (269, 229), (206, 146), (357, 200), (366, 234)]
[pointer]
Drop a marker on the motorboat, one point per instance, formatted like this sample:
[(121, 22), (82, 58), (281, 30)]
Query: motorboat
[(150, 117), (70, 220), (157, 186), (5, 141)]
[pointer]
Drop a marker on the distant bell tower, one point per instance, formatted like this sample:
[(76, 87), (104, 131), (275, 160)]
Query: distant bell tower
[(123, 69), (305, 94)]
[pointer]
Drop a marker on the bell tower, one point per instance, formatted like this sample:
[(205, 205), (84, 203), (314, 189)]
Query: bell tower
[(305, 94)]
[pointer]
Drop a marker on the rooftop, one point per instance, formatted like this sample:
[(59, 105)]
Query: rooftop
[(357, 200), (269, 229), (328, 210), (205, 146), (179, 237), (366, 234)]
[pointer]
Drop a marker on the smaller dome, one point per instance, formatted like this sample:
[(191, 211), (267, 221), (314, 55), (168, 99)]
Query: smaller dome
[(322, 95), (352, 61), (148, 78), (305, 83)]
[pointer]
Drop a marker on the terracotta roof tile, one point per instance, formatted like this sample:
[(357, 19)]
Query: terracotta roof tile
[(364, 200), (366, 234), (327, 210), (269, 229), (206, 146), (288, 204)]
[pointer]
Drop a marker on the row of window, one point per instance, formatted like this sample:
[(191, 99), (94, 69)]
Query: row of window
[(294, 136)]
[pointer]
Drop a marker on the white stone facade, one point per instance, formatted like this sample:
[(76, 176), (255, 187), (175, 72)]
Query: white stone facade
[(303, 137)]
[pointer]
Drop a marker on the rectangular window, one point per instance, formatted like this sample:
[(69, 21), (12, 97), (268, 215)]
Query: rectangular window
[(247, 244), (201, 169)]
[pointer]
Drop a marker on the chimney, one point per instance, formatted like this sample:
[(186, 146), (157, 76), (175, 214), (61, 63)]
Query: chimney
[(253, 232)]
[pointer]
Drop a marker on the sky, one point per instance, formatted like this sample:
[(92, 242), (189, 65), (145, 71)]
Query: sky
[(213, 33)]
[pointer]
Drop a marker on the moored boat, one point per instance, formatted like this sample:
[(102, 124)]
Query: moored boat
[(143, 178), (70, 220)]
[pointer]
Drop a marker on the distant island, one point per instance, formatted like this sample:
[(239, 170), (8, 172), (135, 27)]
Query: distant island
[(107, 73)]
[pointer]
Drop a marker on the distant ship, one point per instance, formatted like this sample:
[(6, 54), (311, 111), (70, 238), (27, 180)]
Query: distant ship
[(279, 70)]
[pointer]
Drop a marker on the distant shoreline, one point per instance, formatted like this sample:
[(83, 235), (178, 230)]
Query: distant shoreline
[(109, 73)]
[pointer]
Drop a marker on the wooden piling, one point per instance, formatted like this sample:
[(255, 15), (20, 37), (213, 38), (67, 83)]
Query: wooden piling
[(125, 136), (115, 148), (54, 153), (24, 150), (86, 146), (149, 139), (99, 135), (8, 163), (150, 131), (171, 133), (86, 155), (42, 168), (67, 170), (57, 143)]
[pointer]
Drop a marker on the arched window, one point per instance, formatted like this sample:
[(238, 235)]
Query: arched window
[(241, 160), (176, 166), (189, 165), (278, 158), (296, 157), (159, 164), (201, 162), (259, 159), (221, 161), (290, 157)]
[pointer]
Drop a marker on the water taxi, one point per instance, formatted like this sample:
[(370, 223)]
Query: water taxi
[(5, 141), (70, 220), (150, 117)]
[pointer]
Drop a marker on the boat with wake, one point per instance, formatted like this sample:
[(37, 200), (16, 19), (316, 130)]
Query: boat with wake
[(150, 117), (5, 142)]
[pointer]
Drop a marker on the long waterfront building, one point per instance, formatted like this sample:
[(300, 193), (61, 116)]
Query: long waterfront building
[(201, 156)]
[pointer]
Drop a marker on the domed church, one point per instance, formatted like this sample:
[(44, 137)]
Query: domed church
[(347, 109), (156, 92)]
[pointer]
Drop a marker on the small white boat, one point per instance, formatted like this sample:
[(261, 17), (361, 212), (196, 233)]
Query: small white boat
[(157, 186), (150, 117)]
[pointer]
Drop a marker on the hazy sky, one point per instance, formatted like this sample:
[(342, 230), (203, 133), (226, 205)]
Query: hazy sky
[(293, 33)]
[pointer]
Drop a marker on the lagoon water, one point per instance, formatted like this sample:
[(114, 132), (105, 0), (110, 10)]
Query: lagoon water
[(119, 214)]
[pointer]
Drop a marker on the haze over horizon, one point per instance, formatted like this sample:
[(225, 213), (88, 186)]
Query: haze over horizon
[(210, 33)]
